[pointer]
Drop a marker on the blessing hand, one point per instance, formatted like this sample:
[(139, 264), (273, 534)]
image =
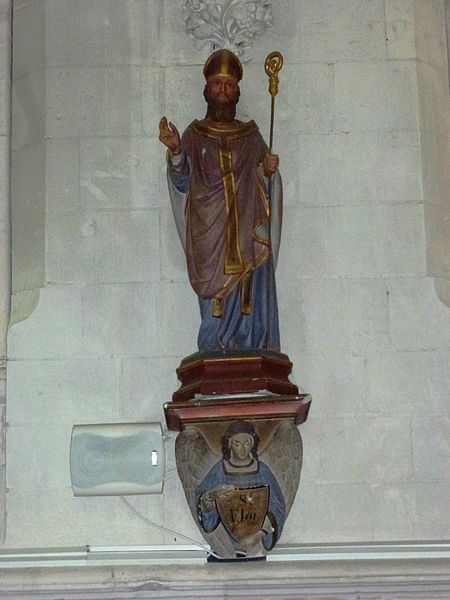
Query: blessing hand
[(169, 136)]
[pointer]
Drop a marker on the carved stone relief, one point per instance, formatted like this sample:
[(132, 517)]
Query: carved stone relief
[(239, 501), (232, 24)]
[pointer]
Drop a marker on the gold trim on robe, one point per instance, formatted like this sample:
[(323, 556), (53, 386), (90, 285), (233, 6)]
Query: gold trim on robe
[(236, 267)]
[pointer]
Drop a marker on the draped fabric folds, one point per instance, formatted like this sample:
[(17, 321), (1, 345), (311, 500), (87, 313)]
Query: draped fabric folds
[(221, 207)]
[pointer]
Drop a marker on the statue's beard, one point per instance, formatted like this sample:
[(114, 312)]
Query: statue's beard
[(223, 112)]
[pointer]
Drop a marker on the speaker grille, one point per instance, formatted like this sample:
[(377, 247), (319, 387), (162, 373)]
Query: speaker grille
[(117, 459)]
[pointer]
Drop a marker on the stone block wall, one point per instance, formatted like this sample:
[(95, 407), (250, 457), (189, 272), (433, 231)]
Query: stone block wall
[(359, 262)]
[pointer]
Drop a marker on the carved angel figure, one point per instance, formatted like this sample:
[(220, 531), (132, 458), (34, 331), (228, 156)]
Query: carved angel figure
[(240, 502)]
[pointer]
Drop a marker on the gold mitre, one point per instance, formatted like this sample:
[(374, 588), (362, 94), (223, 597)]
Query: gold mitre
[(225, 63)]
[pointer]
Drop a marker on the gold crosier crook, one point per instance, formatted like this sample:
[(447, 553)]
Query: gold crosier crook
[(272, 66)]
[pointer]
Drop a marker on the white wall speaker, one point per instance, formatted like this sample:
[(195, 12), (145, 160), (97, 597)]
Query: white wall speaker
[(117, 459)]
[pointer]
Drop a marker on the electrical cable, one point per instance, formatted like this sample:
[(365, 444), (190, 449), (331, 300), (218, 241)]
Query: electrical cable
[(168, 471), (162, 528)]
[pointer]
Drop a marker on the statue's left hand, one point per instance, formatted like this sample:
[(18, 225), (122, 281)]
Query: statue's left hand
[(270, 164)]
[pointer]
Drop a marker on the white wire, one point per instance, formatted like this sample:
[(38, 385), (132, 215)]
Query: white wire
[(168, 471), (162, 528)]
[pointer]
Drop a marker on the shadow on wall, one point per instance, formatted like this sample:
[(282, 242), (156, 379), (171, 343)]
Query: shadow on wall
[(442, 287)]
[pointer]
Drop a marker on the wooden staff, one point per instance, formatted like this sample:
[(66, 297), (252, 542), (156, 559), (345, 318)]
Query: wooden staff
[(272, 66)]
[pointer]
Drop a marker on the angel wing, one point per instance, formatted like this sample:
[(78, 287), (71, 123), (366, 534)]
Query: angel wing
[(284, 457), (194, 460)]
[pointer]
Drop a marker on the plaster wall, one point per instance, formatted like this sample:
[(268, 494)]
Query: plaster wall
[(356, 130)]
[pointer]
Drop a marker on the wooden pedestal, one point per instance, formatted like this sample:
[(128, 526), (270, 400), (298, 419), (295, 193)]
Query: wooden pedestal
[(236, 385), (216, 373)]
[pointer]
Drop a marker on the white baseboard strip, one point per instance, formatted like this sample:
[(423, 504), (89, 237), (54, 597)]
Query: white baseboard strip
[(372, 551), (190, 554)]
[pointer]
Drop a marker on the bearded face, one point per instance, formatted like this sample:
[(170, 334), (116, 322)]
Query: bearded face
[(222, 95)]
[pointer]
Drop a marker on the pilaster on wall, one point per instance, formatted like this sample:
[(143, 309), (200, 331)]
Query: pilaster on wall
[(28, 158), (447, 22), (434, 123), (5, 87)]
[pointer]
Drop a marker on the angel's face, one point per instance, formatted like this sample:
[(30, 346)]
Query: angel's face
[(241, 445)]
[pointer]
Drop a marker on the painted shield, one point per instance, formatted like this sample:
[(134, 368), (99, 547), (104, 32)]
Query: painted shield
[(243, 511)]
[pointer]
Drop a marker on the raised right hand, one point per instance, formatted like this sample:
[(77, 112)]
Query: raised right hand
[(169, 136)]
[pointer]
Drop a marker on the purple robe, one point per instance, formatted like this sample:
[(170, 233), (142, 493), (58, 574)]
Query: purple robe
[(225, 234)]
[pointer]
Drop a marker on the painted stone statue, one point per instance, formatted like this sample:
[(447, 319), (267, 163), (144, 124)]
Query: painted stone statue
[(218, 178), (240, 502), (239, 452)]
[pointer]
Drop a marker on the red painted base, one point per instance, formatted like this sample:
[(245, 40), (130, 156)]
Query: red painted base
[(237, 385), (236, 372), (292, 408)]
